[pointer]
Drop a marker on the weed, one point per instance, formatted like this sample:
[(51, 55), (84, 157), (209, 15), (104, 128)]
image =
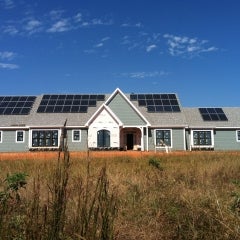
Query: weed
[(155, 163)]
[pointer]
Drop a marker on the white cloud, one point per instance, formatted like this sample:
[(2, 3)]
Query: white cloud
[(78, 17), (8, 66), (142, 75), (187, 47), (137, 25), (56, 14), (98, 45), (60, 26), (8, 4), (151, 47), (11, 30), (33, 26), (7, 55)]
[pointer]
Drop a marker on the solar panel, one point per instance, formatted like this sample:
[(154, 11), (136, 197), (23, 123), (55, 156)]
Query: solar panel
[(68, 103), (157, 102), (16, 105), (213, 114)]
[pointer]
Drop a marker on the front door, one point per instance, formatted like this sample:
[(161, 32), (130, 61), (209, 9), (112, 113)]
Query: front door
[(129, 141), (103, 138)]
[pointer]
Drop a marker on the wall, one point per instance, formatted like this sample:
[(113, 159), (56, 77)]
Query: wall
[(77, 146), (104, 121), (177, 139), (226, 140), (9, 143)]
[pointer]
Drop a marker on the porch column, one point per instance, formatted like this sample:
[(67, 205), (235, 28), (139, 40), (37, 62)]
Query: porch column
[(142, 142)]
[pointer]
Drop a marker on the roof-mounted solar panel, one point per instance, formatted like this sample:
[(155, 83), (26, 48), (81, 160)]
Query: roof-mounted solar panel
[(157, 102), (213, 114), (16, 105), (69, 103)]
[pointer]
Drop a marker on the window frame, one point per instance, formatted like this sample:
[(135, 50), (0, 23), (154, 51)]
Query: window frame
[(163, 145), (202, 145), (23, 136), (238, 135), (80, 135), (44, 138)]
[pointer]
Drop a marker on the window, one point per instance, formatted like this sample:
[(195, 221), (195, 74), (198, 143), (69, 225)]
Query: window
[(202, 138), (103, 138), (0, 136), (163, 138), (20, 136), (238, 135), (45, 138), (76, 135)]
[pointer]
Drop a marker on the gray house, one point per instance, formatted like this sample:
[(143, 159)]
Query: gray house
[(117, 121)]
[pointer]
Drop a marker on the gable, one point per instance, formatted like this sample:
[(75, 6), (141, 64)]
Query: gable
[(124, 111)]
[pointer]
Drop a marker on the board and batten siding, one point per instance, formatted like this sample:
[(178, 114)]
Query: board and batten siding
[(9, 143), (104, 121), (177, 139), (226, 140), (122, 109), (77, 146)]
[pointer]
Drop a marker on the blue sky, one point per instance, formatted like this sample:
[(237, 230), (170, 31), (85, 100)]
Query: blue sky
[(188, 47)]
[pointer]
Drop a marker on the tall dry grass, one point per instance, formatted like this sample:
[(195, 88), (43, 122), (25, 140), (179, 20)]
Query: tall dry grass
[(190, 196)]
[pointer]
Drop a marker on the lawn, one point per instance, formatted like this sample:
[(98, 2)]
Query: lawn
[(120, 195)]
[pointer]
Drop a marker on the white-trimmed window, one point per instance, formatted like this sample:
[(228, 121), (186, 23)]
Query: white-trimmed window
[(76, 135), (20, 136), (202, 138), (163, 138), (45, 138), (238, 135), (0, 136)]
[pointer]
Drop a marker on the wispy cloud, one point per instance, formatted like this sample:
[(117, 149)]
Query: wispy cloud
[(62, 25), (142, 40), (151, 47), (187, 47), (142, 75), (7, 4), (136, 25), (7, 55), (8, 66), (55, 21)]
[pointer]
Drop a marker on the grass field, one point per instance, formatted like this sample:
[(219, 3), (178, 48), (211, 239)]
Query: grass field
[(120, 195)]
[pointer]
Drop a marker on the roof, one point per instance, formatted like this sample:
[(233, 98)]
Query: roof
[(194, 118), (186, 117)]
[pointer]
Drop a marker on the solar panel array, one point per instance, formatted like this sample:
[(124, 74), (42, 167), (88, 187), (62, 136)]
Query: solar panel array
[(213, 114), (16, 105), (68, 103), (157, 102)]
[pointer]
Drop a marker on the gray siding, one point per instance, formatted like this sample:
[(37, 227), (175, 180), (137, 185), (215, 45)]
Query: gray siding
[(9, 143), (77, 146), (226, 140), (125, 112), (177, 139)]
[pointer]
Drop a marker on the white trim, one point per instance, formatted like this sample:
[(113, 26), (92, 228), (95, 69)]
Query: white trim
[(184, 140), (16, 139), (202, 146), (238, 140), (1, 136), (44, 129), (80, 135), (103, 106), (162, 129)]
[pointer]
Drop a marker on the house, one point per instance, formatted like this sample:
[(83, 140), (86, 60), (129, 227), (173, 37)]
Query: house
[(117, 121)]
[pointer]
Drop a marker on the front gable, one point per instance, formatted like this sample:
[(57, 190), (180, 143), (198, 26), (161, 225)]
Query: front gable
[(103, 120), (125, 110)]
